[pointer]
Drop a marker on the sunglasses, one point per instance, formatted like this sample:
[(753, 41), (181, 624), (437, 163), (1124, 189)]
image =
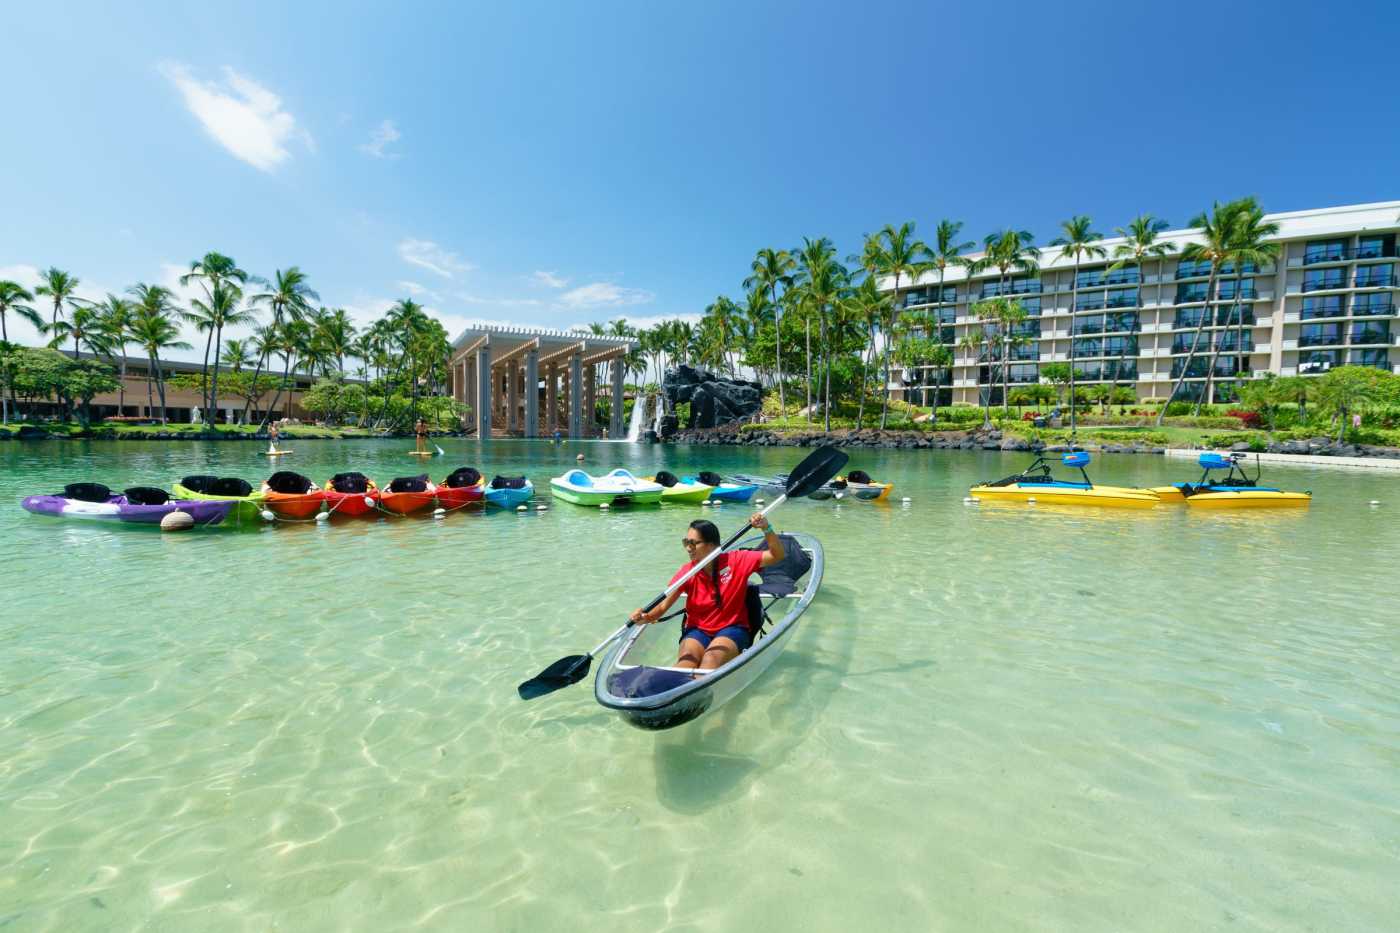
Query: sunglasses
[(689, 543)]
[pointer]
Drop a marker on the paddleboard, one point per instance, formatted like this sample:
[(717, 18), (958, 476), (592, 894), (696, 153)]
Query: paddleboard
[(276, 453)]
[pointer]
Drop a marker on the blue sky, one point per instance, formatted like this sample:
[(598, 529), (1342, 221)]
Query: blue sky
[(555, 164)]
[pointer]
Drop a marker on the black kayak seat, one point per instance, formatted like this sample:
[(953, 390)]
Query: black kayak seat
[(780, 579), (228, 486), (87, 492), (409, 483), (859, 476), (146, 495), (350, 482), (709, 478), (508, 482), (200, 482), (462, 477), (667, 479), (289, 483)]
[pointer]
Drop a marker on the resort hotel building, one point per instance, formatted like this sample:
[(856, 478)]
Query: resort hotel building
[(1329, 300)]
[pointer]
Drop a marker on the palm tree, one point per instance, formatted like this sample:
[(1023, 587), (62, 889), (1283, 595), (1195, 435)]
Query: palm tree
[(211, 271), (12, 298), (84, 326), (974, 342), (1247, 246), (59, 287), (1139, 244), (237, 353), (1007, 252), (1079, 240), (724, 315), (336, 333), (867, 304), (772, 268), (288, 341), (222, 310), (898, 255), (757, 315), (1217, 238), (287, 295), (1004, 315), (821, 280), (116, 331), (153, 327)]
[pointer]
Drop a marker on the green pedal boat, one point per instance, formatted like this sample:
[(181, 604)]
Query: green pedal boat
[(618, 488)]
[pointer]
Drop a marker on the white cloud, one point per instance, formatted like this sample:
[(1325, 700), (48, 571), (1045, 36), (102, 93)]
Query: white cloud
[(604, 295), (244, 117), (502, 302), (418, 291), (428, 255), (382, 136), (548, 279), (642, 323)]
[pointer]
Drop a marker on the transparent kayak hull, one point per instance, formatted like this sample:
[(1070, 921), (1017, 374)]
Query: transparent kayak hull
[(635, 679)]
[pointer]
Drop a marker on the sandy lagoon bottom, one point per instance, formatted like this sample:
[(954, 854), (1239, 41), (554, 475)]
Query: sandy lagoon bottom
[(992, 718)]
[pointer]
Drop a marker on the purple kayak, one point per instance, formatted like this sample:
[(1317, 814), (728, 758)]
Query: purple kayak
[(119, 509)]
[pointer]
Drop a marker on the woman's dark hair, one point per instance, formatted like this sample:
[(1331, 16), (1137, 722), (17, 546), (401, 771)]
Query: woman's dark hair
[(709, 531)]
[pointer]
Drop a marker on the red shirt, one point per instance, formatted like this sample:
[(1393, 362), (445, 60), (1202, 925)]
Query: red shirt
[(701, 611)]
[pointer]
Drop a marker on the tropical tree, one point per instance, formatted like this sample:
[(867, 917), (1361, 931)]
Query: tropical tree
[(1249, 245), (1078, 240), (973, 343), (725, 320), (210, 272), (154, 328), (1348, 389), (60, 288), (868, 305), (1140, 244), (238, 353), (1059, 375), (820, 282), (923, 352), (1004, 315), (83, 327), (1266, 396), (116, 317), (288, 296), (12, 298), (899, 255), (773, 268), (220, 311), (1217, 237)]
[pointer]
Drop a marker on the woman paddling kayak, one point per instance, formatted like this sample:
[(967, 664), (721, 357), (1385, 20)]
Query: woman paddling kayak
[(716, 601)]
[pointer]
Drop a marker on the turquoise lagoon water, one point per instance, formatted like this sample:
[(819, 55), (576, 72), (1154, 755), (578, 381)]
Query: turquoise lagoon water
[(993, 717)]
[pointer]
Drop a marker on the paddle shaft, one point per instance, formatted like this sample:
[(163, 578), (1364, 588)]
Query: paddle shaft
[(701, 565)]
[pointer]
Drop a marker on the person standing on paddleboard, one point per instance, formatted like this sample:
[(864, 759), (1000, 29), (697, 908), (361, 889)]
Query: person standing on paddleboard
[(420, 432), (716, 599)]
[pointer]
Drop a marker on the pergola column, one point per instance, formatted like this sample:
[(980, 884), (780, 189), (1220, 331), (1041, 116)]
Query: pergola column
[(532, 393), (615, 421), (590, 398), (576, 395), (512, 397), (483, 392), (551, 399)]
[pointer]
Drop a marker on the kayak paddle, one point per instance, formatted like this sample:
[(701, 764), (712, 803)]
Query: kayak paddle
[(811, 474)]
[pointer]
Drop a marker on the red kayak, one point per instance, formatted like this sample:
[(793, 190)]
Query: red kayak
[(351, 495), (291, 495), (461, 488)]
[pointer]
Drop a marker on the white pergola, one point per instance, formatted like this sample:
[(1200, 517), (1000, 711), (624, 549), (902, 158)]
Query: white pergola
[(504, 374)]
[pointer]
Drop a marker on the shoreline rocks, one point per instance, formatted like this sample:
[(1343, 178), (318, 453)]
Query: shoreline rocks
[(100, 433)]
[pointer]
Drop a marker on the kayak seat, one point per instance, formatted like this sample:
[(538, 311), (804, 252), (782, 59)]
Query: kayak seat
[(289, 483), (228, 486), (409, 483), (780, 579), (708, 478), (87, 492), (516, 482), (578, 478), (462, 478), (350, 482), (200, 483), (146, 495), (858, 476), (666, 479)]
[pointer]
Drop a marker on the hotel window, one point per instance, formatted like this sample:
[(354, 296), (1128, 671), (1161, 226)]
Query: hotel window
[(1123, 321), (1371, 332), (1091, 279), (1189, 270), (1188, 293), (1316, 335), (1032, 305), (1374, 247), (1028, 329), (1318, 361), (1230, 340), (1370, 305), (1374, 276), (1323, 306), (1377, 358), (1188, 317), (1120, 346), (1128, 275), (1023, 373), (1026, 351), (1092, 301), (1093, 324), (1088, 346), (1249, 268), (1247, 290), (1324, 278), (1123, 298), (1324, 251), (1229, 315)]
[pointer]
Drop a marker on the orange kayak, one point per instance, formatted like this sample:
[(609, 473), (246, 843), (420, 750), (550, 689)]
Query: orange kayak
[(351, 504), (407, 495), (293, 505)]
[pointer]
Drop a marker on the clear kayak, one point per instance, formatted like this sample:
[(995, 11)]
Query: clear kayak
[(616, 488), (636, 681)]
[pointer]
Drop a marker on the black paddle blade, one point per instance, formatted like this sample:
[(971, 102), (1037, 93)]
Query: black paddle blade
[(815, 471), (562, 673)]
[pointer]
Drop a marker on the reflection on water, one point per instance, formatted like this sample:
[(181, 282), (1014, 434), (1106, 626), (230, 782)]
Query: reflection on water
[(993, 717)]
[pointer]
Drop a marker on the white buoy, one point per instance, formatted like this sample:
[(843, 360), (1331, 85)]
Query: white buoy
[(1375, 502), (323, 516), (758, 502), (369, 503), (968, 500), (267, 516), (708, 502), (603, 506), (439, 512), (1030, 499), (177, 521), (840, 495), (906, 499), (521, 508), (541, 508)]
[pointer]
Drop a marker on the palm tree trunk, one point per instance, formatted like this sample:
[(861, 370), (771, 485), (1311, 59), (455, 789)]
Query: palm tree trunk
[(826, 358), (121, 388), (1190, 354), (150, 388), (778, 349), (864, 369), (204, 371), (1215, 347), (214, 385), (1073, 307), (807, 325)]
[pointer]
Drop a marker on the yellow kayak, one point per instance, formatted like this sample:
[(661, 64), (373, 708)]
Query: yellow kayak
[(1036, 484)]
